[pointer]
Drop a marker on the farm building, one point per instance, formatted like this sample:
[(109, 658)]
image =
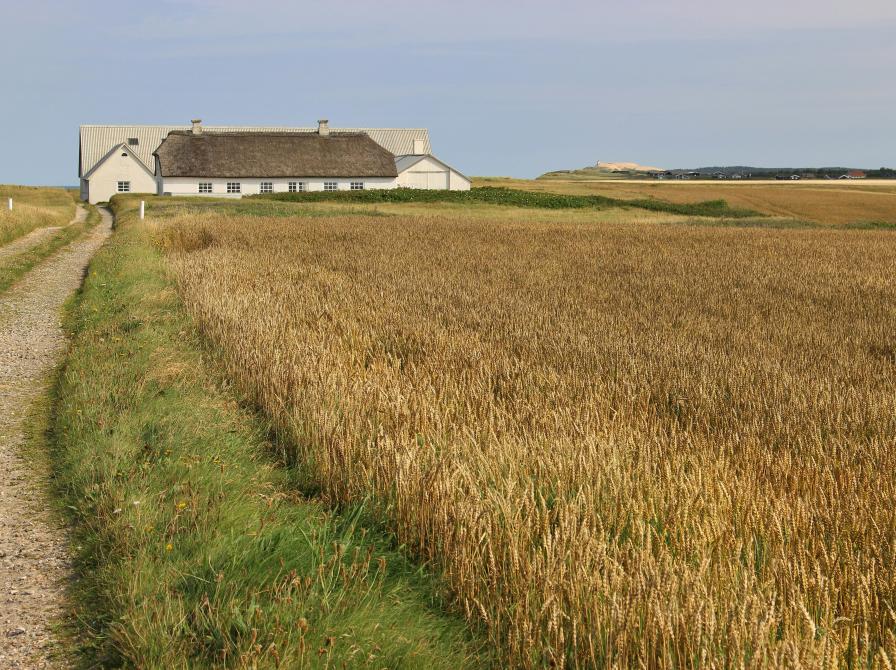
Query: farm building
[(123, 159)]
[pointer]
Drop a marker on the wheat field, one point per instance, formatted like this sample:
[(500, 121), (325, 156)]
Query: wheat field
[(651, 445)]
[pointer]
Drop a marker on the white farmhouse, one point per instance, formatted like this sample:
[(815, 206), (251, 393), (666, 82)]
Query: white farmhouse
[(124, 159)]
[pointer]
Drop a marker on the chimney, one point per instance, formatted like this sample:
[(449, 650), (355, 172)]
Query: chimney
[(419, 147), (197, 126), (323, 128)]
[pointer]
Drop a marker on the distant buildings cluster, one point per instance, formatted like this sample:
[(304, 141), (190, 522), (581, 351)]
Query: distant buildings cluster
[(779, 175)]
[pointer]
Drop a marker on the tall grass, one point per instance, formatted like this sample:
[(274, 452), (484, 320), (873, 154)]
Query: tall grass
[(33, 208), (653, 446)]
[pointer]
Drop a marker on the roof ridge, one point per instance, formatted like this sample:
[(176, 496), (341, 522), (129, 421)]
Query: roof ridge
[(229, 125)]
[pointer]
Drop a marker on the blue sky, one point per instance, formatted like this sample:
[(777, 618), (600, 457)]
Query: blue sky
[(506, 88)]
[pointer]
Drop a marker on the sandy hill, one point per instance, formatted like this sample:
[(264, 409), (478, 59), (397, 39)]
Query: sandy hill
[(630, 167)]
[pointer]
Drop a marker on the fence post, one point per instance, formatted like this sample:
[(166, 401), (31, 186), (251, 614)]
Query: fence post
[(142, 209), (9, 204)]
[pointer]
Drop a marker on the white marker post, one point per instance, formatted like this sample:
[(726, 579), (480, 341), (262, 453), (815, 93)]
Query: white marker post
[(9, 204), (142, 209)]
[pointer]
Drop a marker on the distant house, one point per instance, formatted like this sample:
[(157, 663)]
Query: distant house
[(120, 159), (856, 174)]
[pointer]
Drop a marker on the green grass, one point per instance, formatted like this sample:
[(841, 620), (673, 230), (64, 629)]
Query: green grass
[(870, 225), (770, 222), (183, 206), (14, 267), (513, 197), (194, 548)]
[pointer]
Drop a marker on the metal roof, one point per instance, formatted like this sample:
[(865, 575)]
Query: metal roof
[(97, 141)]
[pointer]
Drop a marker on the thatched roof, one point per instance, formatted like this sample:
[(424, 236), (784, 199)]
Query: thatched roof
[(208, 154)]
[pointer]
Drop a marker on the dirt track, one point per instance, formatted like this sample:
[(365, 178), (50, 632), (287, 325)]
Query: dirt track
[(34, 564), (36, 236)]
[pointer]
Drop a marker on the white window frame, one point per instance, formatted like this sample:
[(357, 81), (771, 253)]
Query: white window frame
[(302, 186), (357, 186), (292, 187), (266, 187), (234, 187), (123, 187), (206, 187), (331, 186)]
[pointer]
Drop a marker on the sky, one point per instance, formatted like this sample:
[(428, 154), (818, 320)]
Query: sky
[(513, 88)]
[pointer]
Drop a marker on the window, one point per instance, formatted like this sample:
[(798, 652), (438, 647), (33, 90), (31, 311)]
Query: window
[(133, 141), (233, 187), (330, 186), (357, 185), (267, 187), (205, 187), (296, 186), (124, 187)]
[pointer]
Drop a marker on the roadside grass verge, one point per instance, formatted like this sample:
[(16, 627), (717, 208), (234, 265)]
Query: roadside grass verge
[(14, 267), (513, 197), (193, 548), (33, 208)]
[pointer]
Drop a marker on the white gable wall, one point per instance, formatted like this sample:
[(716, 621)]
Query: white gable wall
[(102, 184), (430, 173)]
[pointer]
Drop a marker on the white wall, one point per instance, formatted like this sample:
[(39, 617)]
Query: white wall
[(103, 182), (431, 174), (190, 185)]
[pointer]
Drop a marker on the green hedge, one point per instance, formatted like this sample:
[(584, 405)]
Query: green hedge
[(505, 196)]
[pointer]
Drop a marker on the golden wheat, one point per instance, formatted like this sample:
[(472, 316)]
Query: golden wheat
[(631, 446)]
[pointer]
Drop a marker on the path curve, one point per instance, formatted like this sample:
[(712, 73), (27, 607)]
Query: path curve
[(36, 236), (34, 559)]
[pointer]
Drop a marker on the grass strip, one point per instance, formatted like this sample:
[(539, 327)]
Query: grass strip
[(12, 269), (516, 198), (193, 548)]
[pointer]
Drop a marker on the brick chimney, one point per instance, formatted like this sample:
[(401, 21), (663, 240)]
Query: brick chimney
[(323, 128), (197, 126)]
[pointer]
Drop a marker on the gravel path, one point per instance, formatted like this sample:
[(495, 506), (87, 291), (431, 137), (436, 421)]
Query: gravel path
[(36, 236), (34, 563)]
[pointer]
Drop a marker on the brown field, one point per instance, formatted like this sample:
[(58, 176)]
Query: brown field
[(622, 445), (828, 202)]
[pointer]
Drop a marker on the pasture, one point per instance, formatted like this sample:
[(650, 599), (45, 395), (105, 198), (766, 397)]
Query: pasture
[(620, 440)]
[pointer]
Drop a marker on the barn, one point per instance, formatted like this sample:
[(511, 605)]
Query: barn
[(122, 159)]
